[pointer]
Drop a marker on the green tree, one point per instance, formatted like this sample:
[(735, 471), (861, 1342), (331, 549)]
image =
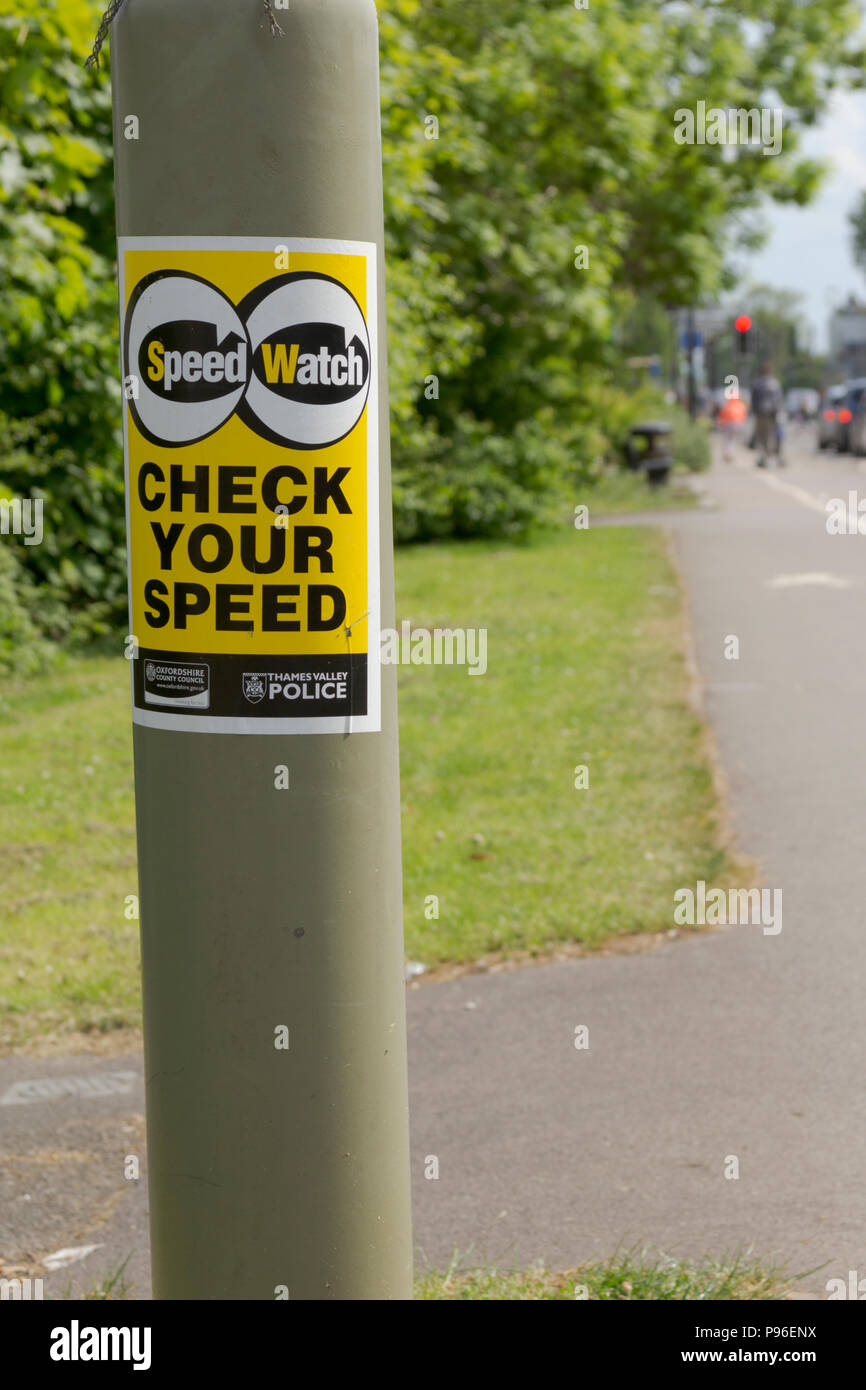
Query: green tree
[(59, 390), (857, 220), (555, 131)]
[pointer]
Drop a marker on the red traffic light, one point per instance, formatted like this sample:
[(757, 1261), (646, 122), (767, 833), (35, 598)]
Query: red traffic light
[(743, 323)]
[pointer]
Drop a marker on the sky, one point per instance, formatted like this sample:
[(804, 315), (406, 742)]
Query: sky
[(809, 248)]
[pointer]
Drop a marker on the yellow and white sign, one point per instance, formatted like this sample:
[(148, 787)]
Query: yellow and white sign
[(251, 438)]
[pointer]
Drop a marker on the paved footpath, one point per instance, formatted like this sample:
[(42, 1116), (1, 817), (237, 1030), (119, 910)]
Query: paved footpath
[(735, 1044)]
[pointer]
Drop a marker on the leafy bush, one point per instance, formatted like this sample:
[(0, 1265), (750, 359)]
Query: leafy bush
[(60, 422), (621, 408), (22, 646), (691, 441)]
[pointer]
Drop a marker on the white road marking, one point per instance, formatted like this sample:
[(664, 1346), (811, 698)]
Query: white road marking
[(110, 1083), (818, 577), (799, 494)]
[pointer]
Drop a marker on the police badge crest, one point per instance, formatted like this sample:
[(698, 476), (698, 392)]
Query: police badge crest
[(254, 686)]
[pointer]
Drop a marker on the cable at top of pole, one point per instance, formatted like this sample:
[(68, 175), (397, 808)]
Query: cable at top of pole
[(92, 61)]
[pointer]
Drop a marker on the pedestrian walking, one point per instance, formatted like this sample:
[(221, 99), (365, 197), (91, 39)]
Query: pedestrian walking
[(729, 422), (767, 402)]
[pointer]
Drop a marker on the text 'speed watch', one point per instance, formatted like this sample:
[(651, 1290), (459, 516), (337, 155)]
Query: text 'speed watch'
[(250, 377)]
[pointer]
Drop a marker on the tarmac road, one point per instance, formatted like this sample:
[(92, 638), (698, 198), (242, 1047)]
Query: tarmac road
[(736, 1045)]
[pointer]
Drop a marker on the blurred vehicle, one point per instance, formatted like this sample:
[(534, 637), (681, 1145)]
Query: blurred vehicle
[(827, 422), (848, 408), (857, 426)]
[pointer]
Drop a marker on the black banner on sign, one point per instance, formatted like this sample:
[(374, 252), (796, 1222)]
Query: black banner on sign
[(253, 687)]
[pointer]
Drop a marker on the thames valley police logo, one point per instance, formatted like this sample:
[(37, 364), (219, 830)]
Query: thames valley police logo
[(254, 686)]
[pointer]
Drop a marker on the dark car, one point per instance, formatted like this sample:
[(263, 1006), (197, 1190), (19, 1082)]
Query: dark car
[(857, 427), (849, 407), (828, 423)]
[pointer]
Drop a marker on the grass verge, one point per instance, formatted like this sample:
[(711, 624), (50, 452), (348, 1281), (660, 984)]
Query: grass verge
[(624, 491), (584, 670), (626, 1278)]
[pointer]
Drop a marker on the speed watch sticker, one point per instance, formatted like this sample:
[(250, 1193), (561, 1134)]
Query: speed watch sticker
[(252, 452)]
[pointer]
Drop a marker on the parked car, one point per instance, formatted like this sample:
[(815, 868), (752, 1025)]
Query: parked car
[(850, 405), (857, 426), (827, 416)]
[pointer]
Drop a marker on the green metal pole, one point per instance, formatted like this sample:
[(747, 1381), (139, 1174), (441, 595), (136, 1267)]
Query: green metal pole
[(249, 214)]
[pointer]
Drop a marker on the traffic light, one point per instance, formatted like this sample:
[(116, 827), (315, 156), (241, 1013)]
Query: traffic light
[(743, 327)]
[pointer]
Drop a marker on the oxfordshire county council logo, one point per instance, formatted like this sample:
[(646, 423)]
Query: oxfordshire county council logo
[(292, 360), (254, 686)]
